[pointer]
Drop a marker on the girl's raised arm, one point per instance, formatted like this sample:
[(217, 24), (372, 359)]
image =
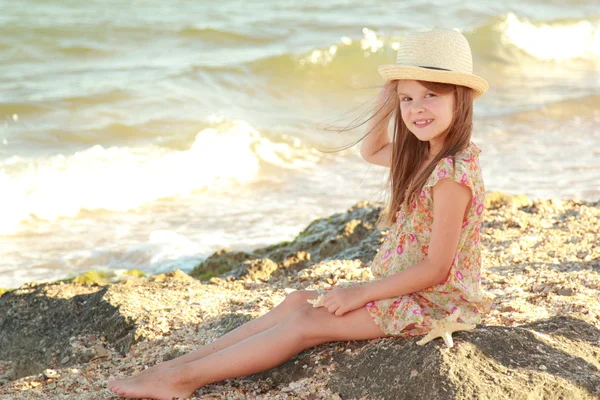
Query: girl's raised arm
[(382, 157)]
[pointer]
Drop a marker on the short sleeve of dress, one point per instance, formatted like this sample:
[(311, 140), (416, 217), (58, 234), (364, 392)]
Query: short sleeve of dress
[(459, 168)]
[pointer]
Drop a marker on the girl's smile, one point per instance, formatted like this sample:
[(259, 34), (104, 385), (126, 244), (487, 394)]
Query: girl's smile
[(421, 123)]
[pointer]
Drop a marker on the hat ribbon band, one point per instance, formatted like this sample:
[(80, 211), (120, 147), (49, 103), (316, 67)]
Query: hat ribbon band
[(441, 69)]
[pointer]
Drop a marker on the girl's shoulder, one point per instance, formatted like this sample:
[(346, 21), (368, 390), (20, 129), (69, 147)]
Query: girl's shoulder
[(465, 157), (468, 154), (462, 167)]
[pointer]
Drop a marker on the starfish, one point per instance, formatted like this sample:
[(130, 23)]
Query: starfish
[(318, 302), (444, 328)]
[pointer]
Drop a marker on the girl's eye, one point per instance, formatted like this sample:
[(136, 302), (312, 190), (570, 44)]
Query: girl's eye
[(428, 94)]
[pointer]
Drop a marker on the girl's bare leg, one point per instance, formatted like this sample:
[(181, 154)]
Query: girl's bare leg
[(305, 328), (291, 303)]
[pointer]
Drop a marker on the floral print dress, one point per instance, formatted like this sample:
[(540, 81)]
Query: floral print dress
[(407, 244)]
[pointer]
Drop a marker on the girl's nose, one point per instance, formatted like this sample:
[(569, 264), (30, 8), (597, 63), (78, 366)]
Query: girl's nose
[(417, 109)]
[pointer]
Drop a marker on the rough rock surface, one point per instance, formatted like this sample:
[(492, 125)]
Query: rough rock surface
[(343, 236), (548, 359), (542, 340), (39, 324)]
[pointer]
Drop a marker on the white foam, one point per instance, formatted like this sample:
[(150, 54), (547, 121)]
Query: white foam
[(165, 250), (371, 43), (123, 178), (554, 41)]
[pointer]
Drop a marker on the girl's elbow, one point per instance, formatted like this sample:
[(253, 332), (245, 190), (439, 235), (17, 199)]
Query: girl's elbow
[(443, 276), (441, 268)]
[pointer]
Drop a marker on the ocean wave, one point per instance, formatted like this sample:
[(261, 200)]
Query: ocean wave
[(583, 108), (98, 97), (10, 109), (114, 132), (332, 65), (515, 40), (223, 37), (68, 40), (83, 51), (119, 179), (508, 39)]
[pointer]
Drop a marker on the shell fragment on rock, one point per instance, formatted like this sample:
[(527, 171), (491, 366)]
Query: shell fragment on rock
[(444, 329), (50, 374)]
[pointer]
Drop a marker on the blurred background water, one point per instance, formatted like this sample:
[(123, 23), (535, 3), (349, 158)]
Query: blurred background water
[(149, 134)]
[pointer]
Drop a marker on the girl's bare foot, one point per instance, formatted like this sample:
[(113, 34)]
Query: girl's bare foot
[(157, 368), (163, 385)]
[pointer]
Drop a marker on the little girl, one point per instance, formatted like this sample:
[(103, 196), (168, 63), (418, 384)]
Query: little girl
[(427, 267)]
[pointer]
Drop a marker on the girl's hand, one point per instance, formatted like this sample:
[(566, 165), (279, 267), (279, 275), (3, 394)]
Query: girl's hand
[(387, 99), (341, 301)]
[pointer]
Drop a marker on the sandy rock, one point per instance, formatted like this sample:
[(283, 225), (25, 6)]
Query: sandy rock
[(49, 325), (221, 262), (541, 263)]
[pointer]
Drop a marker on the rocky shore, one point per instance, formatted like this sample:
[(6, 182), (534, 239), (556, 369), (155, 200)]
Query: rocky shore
[(63, 340)]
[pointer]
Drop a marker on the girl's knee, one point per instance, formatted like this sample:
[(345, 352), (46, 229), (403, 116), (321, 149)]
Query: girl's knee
[(299, 298), (302, 323), (298, 317)]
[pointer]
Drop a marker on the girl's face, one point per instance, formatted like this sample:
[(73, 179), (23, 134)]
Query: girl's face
[(426, 113)]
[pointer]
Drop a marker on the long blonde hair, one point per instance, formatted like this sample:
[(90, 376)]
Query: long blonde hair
[(409, 153)]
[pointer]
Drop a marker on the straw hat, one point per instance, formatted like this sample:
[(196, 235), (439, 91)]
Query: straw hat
[(435, 55)]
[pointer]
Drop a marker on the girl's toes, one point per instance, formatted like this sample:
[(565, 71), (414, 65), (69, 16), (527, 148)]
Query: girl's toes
[(114, 386)]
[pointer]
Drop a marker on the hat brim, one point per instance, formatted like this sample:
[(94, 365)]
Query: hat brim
[(393, 72)]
